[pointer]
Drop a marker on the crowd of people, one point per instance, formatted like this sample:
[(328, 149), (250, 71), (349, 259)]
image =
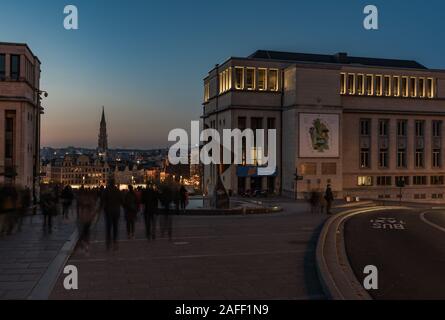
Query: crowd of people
[(162, 200), (14, 202), (321, 202)]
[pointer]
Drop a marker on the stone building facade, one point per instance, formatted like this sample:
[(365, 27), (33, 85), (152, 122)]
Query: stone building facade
[(366, 126), (20, 112)]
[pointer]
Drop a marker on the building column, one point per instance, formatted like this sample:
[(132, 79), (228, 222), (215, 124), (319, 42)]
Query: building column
[(8, 66)]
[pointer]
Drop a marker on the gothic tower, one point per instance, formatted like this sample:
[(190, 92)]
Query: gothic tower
[(102, 148)]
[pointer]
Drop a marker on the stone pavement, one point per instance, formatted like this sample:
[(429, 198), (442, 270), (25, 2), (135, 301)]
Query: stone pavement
[(224, 257), (28, 253)]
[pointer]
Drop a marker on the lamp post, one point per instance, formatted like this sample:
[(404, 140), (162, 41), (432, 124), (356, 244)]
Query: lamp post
[(40, 94)]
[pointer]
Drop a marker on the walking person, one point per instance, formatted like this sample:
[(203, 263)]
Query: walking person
[(131, 210), (322, 201), (111, 203), (67, 199), (86, 211), (150, 200), (313, 201), (48, 205), (329, 197), (183, 194), (167, 195)]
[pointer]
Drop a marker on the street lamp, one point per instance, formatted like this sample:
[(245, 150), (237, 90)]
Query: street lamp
[(40, 94)]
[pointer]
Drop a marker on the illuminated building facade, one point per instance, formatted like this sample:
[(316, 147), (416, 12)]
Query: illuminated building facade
[(78, 170), (363, 125)]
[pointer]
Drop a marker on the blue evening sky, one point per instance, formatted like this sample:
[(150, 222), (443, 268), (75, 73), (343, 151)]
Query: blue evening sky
[(145, 60)]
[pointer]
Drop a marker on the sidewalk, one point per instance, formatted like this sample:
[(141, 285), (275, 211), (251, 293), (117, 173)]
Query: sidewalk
[(28, 255), (225, 257)]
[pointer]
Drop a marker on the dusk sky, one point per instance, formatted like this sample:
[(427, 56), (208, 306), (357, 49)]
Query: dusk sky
[(145, 61)]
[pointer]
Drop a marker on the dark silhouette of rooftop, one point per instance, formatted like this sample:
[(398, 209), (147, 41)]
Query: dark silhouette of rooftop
[(338, 58)]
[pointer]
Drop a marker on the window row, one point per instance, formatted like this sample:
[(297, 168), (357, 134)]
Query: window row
[(384, 126), (419, 158), (398, 181), (249, 78), (387, 85), (15, 66)]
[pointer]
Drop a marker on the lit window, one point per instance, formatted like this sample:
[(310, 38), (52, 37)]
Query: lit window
[(273, 80), (396, 86), (262, 79), (387, 86), (257, 156), (342, 83), (220, 83), (239, 78), (405, 88), (224, 82), (431, 88), (206, 92), (369, 84), (250, 78), (351, 83), (422, 92), (378, 85), (361, 84), (364, 181), (413, 87)]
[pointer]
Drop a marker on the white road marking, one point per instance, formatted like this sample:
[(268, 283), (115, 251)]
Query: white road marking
[(424, 219)]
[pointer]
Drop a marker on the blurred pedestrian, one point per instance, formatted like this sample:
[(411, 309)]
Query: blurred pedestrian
[(86, 212), (131, 210), (48, 205), (67, 200), (329, 197), (167, 194), (184, 198), (111, 203), (313, 201), (150, 200)]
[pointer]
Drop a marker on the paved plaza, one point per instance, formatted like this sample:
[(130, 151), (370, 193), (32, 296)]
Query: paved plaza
[(224, 257), (31, 256)]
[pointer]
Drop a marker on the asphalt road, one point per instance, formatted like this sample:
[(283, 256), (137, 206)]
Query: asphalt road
[(407, 247)]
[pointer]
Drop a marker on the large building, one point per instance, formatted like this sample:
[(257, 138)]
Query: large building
[(364, 125), (19, 116)]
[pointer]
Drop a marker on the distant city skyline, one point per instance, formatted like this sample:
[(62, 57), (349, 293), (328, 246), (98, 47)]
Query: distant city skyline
[(145, 61)]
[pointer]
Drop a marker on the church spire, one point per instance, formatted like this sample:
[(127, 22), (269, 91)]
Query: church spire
[(102, 147)]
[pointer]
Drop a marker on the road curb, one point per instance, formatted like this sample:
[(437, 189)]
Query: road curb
[(334, 270), (46, 284)]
